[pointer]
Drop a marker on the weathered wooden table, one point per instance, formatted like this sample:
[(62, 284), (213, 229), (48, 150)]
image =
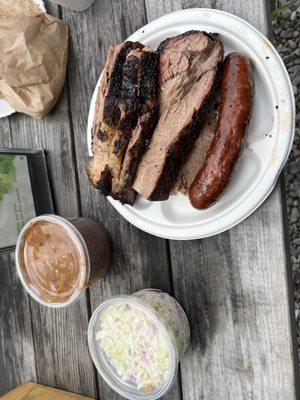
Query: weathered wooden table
[(235, 286)]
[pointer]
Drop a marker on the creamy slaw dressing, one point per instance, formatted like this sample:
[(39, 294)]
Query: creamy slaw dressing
[(170, 313), (136, 345)]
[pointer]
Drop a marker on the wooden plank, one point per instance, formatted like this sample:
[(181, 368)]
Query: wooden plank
[(235, 288), (32, 390), (17, 358), (141, 259), (5, 134), (59, 336), (242, 342), (157, 8)]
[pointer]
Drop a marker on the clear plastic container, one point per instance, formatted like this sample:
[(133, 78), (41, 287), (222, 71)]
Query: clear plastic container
[(76, 5), (57, 259), (164, 315)]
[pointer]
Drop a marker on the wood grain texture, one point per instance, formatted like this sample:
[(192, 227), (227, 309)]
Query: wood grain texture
[(59, 336), (242, 342), (235, 288), (5, 134), (17, 357), (141, 260)]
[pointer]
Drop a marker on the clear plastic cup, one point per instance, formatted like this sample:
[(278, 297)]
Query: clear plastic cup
[(76, 5), (57, 258), (169, 320)]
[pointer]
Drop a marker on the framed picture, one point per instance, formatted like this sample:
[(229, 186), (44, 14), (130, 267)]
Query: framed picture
[(24, 192)]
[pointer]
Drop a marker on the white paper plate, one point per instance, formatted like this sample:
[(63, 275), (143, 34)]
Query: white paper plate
[(5, 108), (269, 139)]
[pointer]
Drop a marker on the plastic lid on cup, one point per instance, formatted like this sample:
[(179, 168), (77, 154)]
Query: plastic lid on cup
[(34, 283), (106, 368)]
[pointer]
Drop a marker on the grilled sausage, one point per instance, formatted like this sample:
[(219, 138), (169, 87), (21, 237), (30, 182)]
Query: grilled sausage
[(237, 90)]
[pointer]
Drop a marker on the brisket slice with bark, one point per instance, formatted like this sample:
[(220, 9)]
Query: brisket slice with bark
[(120, 107), (129, 99), (146, 113), (197, 156), (110, 110), (188, 75)]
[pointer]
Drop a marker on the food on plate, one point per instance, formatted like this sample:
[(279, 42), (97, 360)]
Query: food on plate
[(196, 157), (143, 336), (57, 259), (167, 121), (237, 90), (188, 76), (146, 116), (109, 108), (125, 116)]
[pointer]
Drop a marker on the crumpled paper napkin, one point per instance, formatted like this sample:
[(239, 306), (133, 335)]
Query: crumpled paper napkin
[(33, 62)]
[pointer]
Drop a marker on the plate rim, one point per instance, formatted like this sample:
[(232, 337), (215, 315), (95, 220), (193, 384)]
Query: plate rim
[(122, 209)]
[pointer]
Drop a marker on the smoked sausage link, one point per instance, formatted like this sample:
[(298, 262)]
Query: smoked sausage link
[(237, 92)]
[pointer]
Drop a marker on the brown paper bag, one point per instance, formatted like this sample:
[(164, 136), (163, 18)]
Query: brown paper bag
[(34, 52), (33, 391)]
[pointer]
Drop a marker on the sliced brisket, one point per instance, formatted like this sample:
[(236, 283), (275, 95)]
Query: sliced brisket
[(197, 156), (122, 118), (129, 98), (147, 113), (112, 116), (188, 74)]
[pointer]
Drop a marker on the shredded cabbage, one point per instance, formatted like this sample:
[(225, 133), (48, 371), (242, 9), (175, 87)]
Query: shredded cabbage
[(134, 346)]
